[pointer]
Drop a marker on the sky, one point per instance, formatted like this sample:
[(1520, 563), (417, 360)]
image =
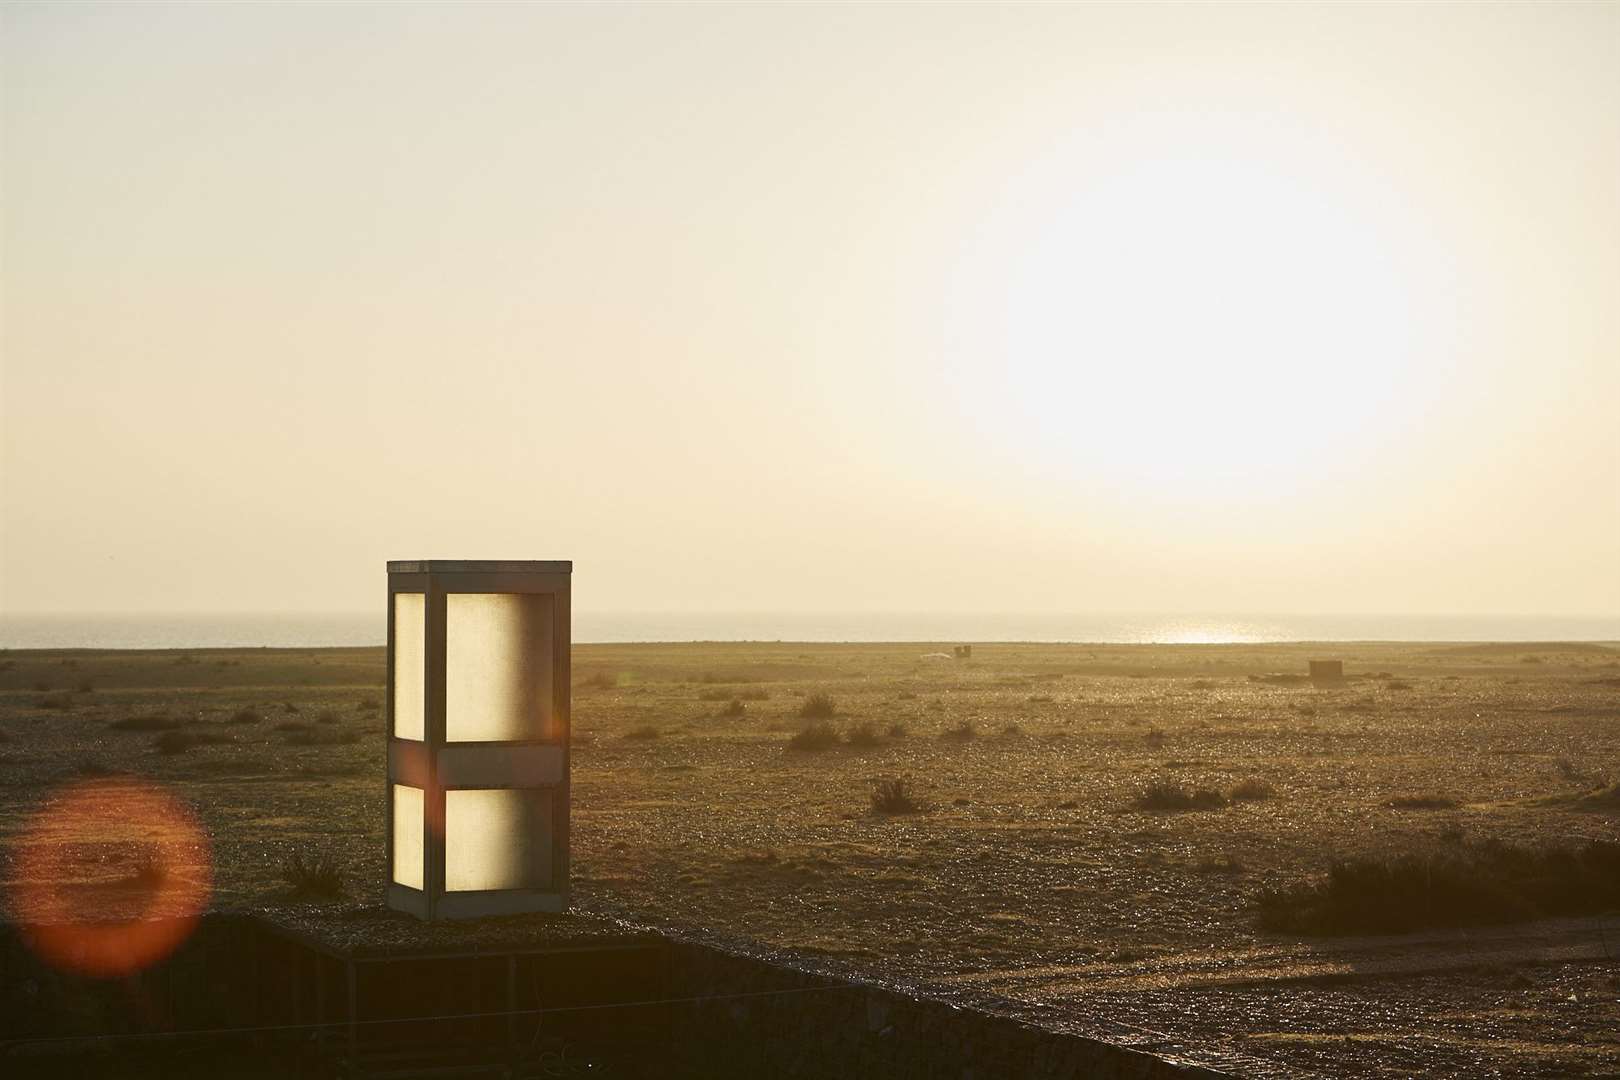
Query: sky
[(1307, 309)]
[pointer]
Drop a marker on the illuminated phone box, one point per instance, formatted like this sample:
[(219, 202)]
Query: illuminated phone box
[(478, 695)]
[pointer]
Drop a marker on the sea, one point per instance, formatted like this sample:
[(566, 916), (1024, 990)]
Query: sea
[(281, 630)]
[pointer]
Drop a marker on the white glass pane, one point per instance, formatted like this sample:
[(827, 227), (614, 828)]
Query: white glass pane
[(408, 855), (410, 664), (497, 839), (497, 666)]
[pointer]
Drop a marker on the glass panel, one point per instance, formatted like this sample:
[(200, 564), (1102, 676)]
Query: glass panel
[(497, 666), (408, 852), (497, 839), (410, 664)]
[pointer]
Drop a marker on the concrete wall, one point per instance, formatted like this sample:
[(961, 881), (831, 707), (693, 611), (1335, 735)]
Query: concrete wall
[(203, 985), (680, 1009), (826, 1028)]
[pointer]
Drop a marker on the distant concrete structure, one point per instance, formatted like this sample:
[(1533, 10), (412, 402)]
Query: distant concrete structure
[(478, 700), (962, 652), (1327, 670)]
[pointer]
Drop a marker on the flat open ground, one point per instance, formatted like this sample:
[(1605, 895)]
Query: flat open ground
[(1028, 876)]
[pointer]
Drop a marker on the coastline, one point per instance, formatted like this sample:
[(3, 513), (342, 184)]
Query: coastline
[(366, 630)]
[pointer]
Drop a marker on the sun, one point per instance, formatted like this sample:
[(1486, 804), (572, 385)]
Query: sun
[(1200, 318)]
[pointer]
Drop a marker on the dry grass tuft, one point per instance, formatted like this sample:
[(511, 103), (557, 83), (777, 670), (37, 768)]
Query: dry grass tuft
[(1251, 790), (818, 707), (1606, 798), (1461, 884), (319, 878), (895, 796), (817, 736), (864, 736)]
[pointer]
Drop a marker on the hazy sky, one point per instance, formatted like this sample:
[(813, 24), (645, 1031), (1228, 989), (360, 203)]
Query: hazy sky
[(1261, 308)]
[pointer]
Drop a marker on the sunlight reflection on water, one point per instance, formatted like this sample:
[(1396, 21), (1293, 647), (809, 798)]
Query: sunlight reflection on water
[(1208, 633)]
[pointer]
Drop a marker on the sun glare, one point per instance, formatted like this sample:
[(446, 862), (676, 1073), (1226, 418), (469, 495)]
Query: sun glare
[(110, 876), (1195, 312)]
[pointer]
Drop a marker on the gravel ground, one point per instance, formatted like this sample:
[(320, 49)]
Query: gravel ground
[(1029, 877)]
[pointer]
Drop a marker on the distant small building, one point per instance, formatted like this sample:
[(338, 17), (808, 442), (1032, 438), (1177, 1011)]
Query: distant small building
[(1327, 670)]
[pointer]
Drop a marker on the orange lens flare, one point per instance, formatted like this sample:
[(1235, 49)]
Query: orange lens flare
[(109, 877)]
